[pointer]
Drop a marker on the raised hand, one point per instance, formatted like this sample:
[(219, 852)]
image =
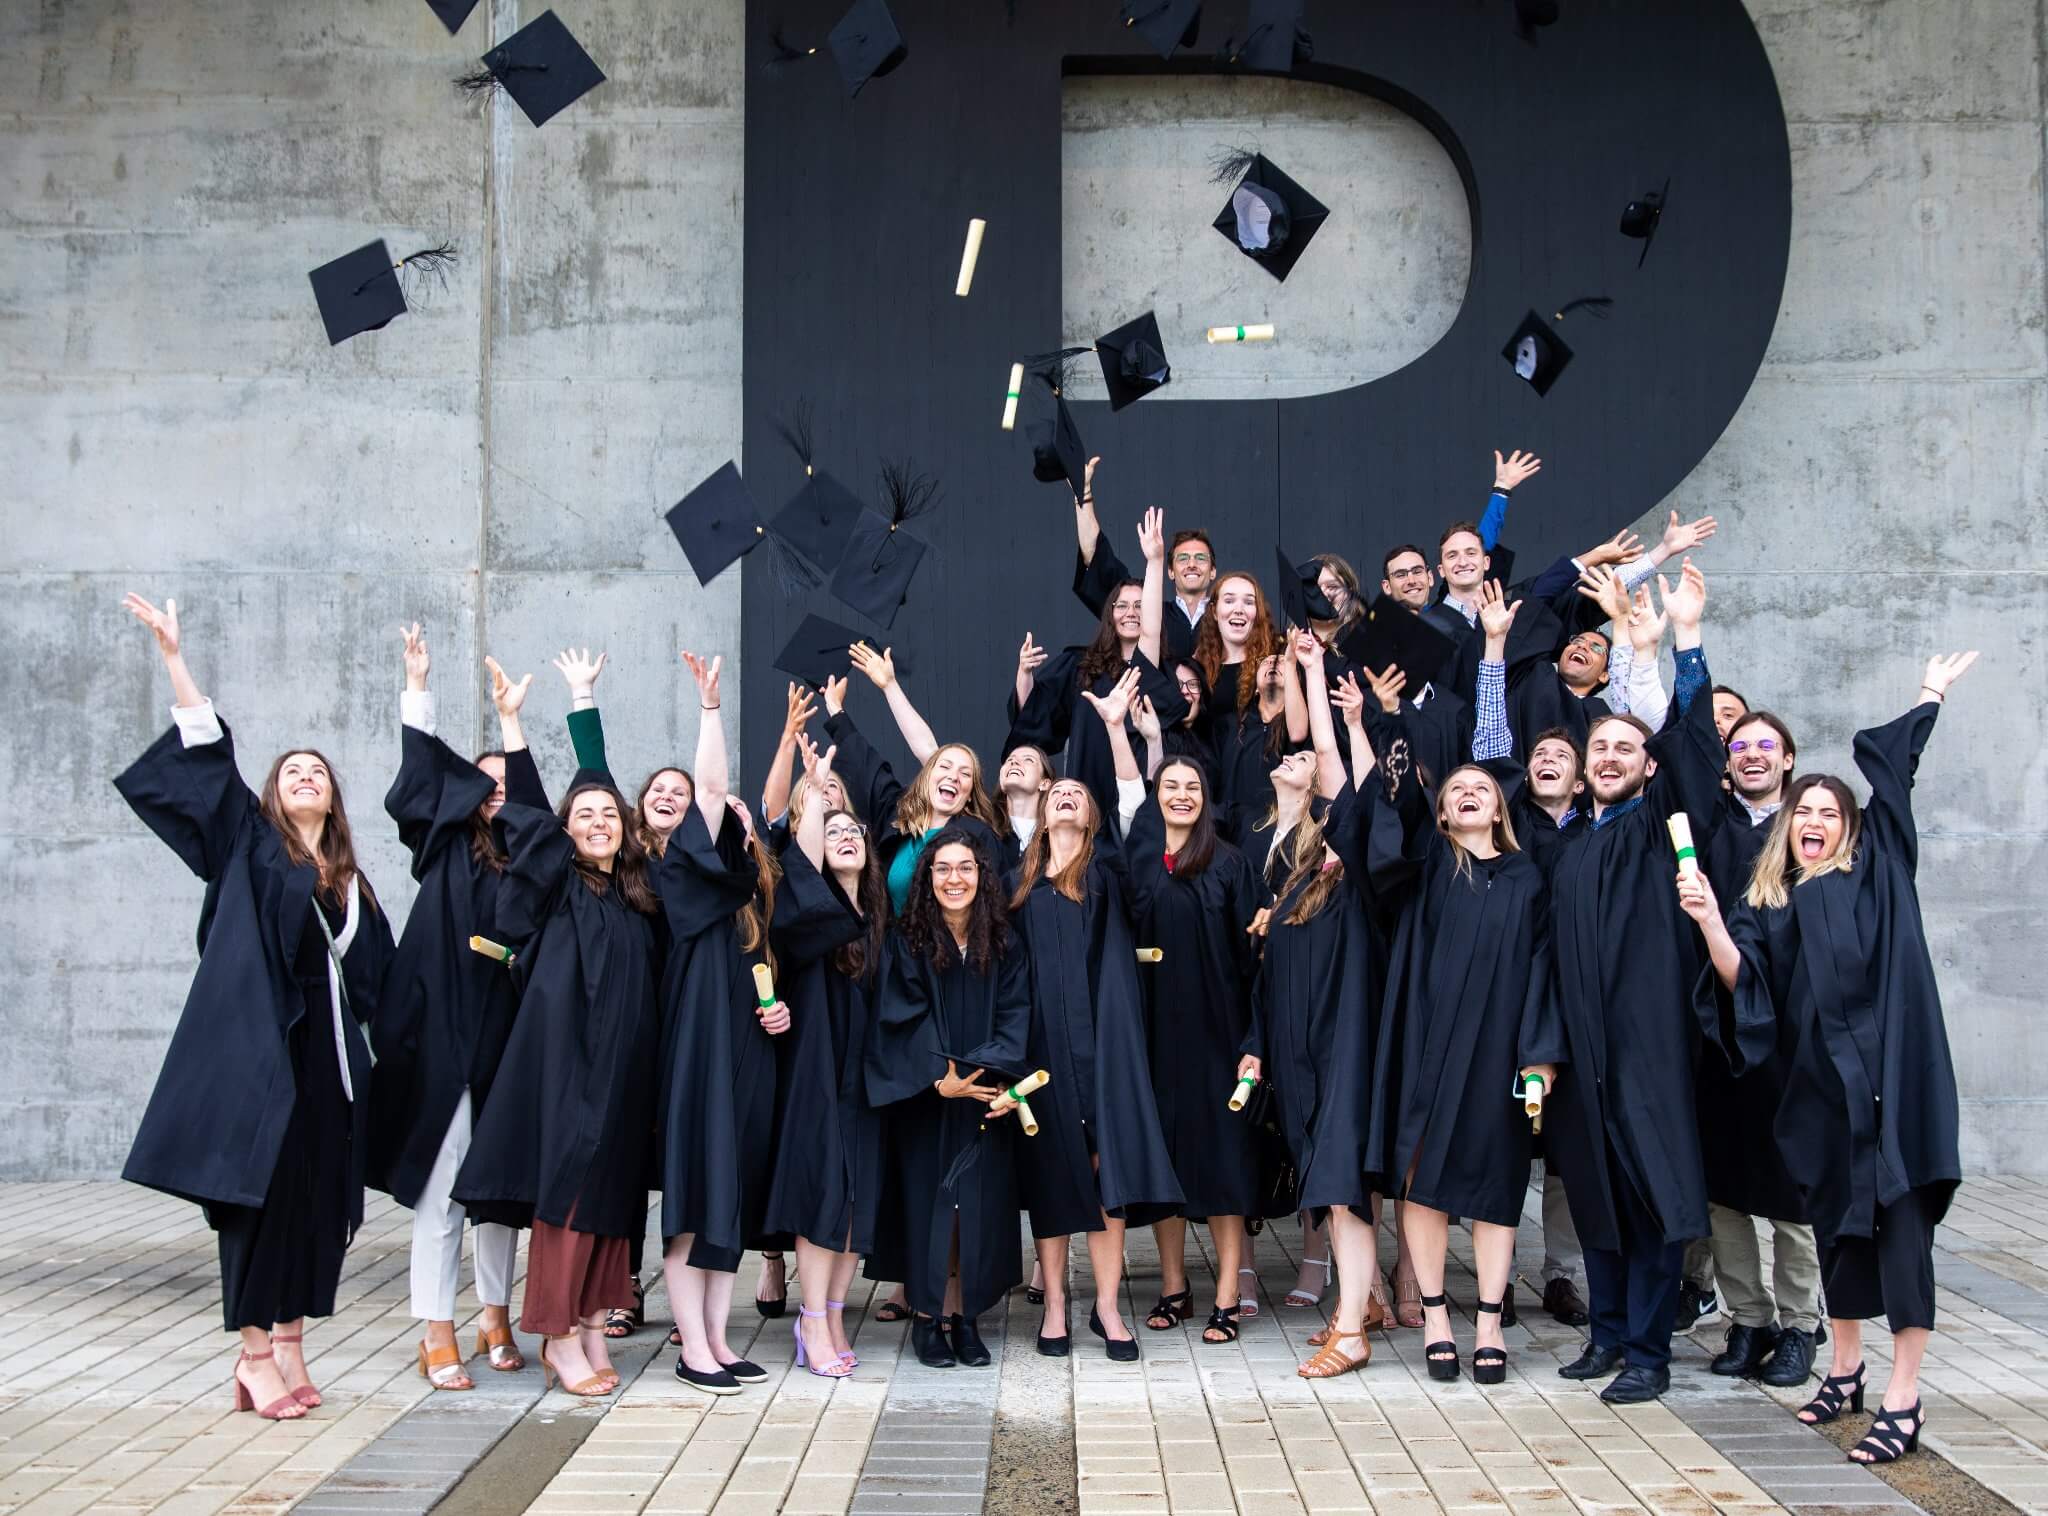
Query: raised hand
[(1495, 614), (1088, 479), (1029, 656), (835, 694), (1943, 670), (1603, 587), (1388, 686), (879, 667), (1513, 469), (798, 713), (817, 765), (579, 670), (1346, 695), (1684, 606), (1152, 535), (1684, 538), (706, 675), (1146, 720), (416, 660), (163, 624), (1696, 897), (506, 696), (1645, 625), (1622, 547), (954, 1087), (1307, 651), (1269, 673), (1116, 705)]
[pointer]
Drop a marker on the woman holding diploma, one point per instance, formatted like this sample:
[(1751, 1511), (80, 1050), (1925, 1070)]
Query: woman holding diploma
[(447, 1010), (1099, 1159), (952, 1013), (1827, 959), (261, 1111), (828, 1149)]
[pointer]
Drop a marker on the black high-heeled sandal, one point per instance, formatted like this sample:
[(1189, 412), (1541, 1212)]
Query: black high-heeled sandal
[(773, 1305), (1835, 1391), (1441, 1356), (1490, 1365), (1888, 1441), (1223, 1319), (1172, 1309)]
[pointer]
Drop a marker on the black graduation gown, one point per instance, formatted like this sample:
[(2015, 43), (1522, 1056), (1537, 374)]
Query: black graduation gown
[(1088, 1031), (1843, 973), (1199, 1000), (1057, 720), (1246, 751), (946, 1165), (1470, 1000), (446, 1012), (1627, 959), (1745, 1169), (258, 1018), (564, 1138), (828, 1145), (717, 1067), (1315, 1018)]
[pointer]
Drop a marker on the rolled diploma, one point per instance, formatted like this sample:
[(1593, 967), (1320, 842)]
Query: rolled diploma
[(968, 254), (1010, 399), (1530, 1089), (1016, 1093), (764, 985), (1243, 1092), (1151, 955), (1263, 332), (1681, 839), (1026, 1119), (490, 949)]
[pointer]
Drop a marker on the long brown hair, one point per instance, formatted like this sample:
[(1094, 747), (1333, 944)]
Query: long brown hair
[(483, 837), (1775, 871), (1301, 855), (1105, 654), (860, 958), (1503, 830), (1200, 848), (923, 924), (1354, 609), (335, 858), (1263, 642), (752, 920), (656, 843), (629, 867), (1071, 881), (914, 810)]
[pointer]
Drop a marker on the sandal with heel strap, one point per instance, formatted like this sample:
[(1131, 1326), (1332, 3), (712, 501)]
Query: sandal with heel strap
[(287, 1407), (1223, 1319), (495, 1344), (623, 1321), (1835, 1391), (1301, 1299), (1888, 1441), (1171, 1310), (590, 1389), (833, 1367), (442, 1368), (1331, 1359), (1247, 1295), (1489, 1365), (1407, 1301), (1441, 1355), (306, 1395), (848, 1357), (772, 1306), (895, 1310)]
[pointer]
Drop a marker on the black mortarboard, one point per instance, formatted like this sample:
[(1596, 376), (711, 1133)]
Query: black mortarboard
[(1133, 361), (1390, 633), (1165, 24), (1287, 584), (716, 523), (1536, 354), (819, 519), (540, 66), (1269, 218), (819, 651), (1500, 564), (452, 12), (1276, 40), (865, 44), (1640, 216), (358, 292), (1057, 452), (875, 572)]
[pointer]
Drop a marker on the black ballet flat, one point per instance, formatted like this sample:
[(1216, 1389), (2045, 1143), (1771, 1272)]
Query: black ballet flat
[(1888, 1441), (1490, 1365), (746, 1372), (1836, 1391), (1125, 1351), (720, 1383), (1172, 1309), (1441, 1356), (967, 1344), (775, 1305), (928, 1341)]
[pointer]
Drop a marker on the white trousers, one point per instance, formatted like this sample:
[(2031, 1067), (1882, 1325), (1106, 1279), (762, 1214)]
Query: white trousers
[(437, 1236)]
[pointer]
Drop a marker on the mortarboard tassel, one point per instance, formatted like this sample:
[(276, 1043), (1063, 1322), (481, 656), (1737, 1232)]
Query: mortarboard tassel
[(1228, 163), (794, 427), (430, 261), (486, 81), (907, 496), (1599, 306), (1056, 367), (786, 51)]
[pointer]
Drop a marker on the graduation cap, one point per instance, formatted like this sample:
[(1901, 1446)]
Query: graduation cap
[(819, 519), (717, 525), (1276, 41), (1390, 633), (1640, 216), (362, 291), (821, 650), (880, 558), (1301, 594), (1269, 218), (452, 12), (1165, 24), (865, 44), (1057, 452), (1536, 354), (1133, 361), (540, 66)]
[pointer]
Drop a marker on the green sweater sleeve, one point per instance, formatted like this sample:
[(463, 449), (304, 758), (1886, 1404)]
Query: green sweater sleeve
[(586, 735)]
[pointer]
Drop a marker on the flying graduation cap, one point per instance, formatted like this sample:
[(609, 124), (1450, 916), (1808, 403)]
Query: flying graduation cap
[(541, 66), (1133, 361), (865, 44), (1536, 354), (1276, 40), (1300, 590), (1639, 218), (362, 291), (1269, 218), (452, 12), (822, 650), (1057, 452), (716, 525), (1391, 634), (880, 558), (1165, 24), (819, 518)]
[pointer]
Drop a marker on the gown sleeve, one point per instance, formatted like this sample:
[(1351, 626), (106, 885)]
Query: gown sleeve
[(523, 782), (811, 915), (542, 859), (1748, 1034), (1542, 1038), (702, 882), (435, 796), (586, 736), (869, 780), (1096, 579), (1400, 833), (903, 1054), (193, 798), (1690, 762), (1345, 827), (1889, 755), (1144, 853), (1010, 1018), (1046, 718)]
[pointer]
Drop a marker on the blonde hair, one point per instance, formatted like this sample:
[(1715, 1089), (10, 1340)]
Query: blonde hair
[(1776, 871), (800, 798), (1503, 829), (914, 815), (1071, 881), (1301, 852)]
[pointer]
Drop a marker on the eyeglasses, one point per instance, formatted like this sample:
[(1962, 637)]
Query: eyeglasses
[(1190, 687), (1197, 559), (1420, 571), (1762, 745), (954, 870), (844, 830)]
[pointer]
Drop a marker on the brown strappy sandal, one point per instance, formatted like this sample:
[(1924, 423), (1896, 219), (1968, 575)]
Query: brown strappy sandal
[(504, 1354), (436, 1362), (1331, 1359)]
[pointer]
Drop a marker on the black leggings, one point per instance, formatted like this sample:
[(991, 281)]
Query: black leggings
[(1890, 1274)]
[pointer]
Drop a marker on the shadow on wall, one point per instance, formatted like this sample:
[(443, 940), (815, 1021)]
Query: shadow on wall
[(1389, 267)]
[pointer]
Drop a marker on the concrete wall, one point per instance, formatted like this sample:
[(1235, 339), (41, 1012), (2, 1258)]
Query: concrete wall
[(171, 419)]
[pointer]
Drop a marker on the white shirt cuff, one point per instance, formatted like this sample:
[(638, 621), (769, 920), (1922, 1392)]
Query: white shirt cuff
[(416, 709), (197, 724), (1130, 794)]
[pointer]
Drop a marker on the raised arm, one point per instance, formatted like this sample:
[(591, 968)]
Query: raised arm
[(713, 782), (775, 788), (586, 728), (1889, 756), (1331, 777), (522, 776), (1644, 633), (1350, 700), (1688, 750), (1145, 717), (871, 785), (810, 831), (1029, 657), (1679, 539), (1152, 606), (1293, 698), (163, 625), (415, 700), (1508, 472), (1492, 737), (880, 669), (1696, 899), (1113, 708)]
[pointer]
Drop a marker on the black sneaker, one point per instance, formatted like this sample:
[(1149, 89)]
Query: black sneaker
[(1694, 1306)]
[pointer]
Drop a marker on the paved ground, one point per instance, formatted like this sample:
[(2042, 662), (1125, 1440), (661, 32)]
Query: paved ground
[(114, 1397)]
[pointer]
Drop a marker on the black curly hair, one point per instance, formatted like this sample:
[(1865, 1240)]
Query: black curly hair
[(923, 923)]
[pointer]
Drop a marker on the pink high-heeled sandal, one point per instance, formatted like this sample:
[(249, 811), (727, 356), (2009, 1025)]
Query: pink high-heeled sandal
[(847, 1357), (286, 1407), (837, 1368), (305, 1394)]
